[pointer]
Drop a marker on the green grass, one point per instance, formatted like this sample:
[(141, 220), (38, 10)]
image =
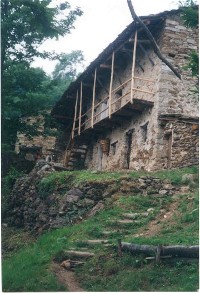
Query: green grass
[(28, 269)]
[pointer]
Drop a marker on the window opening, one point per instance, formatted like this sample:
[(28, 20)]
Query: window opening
[(144, 129), (114, 147), (104, 109)]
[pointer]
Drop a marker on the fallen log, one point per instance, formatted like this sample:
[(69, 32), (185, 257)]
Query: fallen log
[(173, 250)]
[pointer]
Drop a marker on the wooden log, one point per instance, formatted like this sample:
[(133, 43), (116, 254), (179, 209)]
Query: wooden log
[(81, 254), (111, 84), (151, 38), (80, 109), (93, 97), (75, 113), (181, 251), (174, 250), (136, 248), (133, 66)]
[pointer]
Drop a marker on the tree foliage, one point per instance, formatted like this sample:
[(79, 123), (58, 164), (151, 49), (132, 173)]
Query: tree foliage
[(26, 24), (190, 16), (27, 91)]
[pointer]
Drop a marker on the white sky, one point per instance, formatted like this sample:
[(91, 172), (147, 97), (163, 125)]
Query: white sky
[(102, 21)]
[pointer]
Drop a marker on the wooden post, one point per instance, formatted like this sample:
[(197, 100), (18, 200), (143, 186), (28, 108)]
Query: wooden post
[(75, 114), (133, 66), (80, 108), (111, 83), (119, 248), (93, 98), (158, 253)]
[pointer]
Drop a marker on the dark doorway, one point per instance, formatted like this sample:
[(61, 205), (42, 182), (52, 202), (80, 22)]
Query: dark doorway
[(129, 139), (168, 141)]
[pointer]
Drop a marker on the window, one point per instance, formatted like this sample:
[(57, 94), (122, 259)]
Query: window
[(104, 109), (114, 147), (144, 129)]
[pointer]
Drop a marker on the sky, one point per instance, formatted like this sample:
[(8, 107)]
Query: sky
[(102, 21)]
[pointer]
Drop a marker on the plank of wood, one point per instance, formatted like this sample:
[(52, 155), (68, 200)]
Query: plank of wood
[(80, 109), (93, 97), (111, 84), (81, 254), (133, 66)]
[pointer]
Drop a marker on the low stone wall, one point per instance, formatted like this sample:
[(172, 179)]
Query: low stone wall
[(69, 203), (183, 150)]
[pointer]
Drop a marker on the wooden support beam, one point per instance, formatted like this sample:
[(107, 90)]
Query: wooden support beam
[(88, 84), (138, 64), (80, 108), (141, 41), (129, 54), (146, 54), (75, 113), (133, 66), (111, 84), (105, 66), (101, 84), (118, 77), (93, 97)]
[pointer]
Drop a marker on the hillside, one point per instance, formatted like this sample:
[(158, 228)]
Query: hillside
[(32, 262)]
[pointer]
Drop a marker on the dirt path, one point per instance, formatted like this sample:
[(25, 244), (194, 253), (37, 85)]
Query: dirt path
[(67, 278), (154, 227)]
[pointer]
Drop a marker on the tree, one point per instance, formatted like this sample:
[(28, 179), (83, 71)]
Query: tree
[(66, 68), (66, 71), (26, 24), (190, 16), (26, 91)]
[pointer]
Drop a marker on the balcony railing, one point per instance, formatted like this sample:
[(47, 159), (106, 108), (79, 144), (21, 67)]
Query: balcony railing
[(118, 98), (100, 111)]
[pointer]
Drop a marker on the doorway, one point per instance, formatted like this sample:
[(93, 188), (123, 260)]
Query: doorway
[(129, 141), (168, 143), (100, 158)]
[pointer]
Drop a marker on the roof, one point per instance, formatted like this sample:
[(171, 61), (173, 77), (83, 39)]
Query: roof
[(68, 98)]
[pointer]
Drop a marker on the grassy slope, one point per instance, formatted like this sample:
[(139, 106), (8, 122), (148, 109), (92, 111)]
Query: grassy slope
[(28, 268)]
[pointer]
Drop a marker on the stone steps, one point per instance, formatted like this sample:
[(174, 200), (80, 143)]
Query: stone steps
[(134, 216)]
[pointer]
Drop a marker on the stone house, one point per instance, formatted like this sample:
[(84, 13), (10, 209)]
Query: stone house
[(38, 146), (128, 110)]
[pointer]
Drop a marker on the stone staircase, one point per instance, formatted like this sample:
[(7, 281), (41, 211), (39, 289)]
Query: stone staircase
[(75, 156)]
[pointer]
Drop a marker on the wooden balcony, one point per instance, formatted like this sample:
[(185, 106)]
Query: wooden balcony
[(107, 114)]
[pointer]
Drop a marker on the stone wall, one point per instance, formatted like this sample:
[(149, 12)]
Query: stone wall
[(47, 143), (180, 147), (176, 43), (37, 209)]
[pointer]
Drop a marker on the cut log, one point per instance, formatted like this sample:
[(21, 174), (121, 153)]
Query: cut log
[(152, 40), (181, 251), (174, 250), (81, 254), (136, 248)]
